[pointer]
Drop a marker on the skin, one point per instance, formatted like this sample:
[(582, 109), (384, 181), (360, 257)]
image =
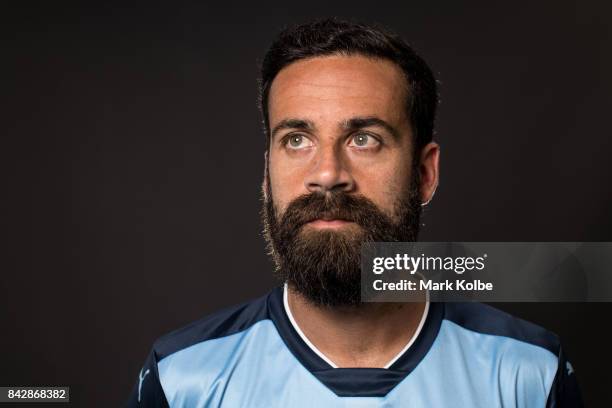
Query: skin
[(339, 122)]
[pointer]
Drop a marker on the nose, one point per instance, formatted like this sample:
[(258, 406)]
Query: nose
[(329, 172)]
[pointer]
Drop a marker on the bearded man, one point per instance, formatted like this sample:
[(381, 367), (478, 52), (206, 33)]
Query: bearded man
[(349, 115)]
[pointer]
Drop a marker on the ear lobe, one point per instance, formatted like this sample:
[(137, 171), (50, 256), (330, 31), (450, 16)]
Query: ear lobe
[(429, 168), (425, 203)]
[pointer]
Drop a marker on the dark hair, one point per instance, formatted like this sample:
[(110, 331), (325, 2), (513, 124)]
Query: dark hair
[(332, 37)]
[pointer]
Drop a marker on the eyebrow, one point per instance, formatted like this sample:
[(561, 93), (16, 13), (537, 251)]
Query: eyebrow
[(349, 125), (354, 124), (292, 123)]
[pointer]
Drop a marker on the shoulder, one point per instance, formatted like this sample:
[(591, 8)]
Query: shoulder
[(183, 363), (486, 320), (528, 361), (521, 357), (221, 324)]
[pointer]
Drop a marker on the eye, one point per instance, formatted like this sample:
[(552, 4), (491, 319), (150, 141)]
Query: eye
[(363, 140), (297, 141)]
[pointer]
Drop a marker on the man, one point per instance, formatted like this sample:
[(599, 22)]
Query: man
[(349, 112)]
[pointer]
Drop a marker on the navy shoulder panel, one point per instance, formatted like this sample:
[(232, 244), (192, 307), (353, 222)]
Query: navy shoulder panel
[(219, 324), (485, 319)]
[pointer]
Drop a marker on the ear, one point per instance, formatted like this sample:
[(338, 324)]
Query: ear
[(429, 171)]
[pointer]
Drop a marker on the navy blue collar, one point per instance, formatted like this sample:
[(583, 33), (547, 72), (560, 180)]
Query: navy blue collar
[(355, 382)]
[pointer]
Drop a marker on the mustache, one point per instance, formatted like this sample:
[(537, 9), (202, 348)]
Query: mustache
[(327, 206)]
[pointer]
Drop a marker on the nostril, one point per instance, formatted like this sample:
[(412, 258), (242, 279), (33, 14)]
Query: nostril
[(343, 186)]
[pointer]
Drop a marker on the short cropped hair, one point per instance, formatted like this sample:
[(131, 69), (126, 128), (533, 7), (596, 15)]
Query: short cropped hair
[(337, 37)]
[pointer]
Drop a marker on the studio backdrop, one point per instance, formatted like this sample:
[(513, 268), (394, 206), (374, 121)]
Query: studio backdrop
[(132, 159)]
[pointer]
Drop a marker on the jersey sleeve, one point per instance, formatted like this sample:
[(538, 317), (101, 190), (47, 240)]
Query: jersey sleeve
[(147, 391), (564, 392)]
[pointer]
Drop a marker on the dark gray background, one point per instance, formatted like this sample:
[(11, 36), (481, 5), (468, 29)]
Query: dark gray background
[(131, 159)]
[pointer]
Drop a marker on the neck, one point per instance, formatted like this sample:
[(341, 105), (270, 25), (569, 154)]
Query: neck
[(367, 335)]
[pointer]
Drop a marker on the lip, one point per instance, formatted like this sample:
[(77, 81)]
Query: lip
[(328, 223)]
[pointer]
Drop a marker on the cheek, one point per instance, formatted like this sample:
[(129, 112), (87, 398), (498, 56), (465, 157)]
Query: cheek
[(385, 185), (286, 184)]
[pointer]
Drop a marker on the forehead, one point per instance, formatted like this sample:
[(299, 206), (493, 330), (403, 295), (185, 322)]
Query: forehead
[(338, 86)]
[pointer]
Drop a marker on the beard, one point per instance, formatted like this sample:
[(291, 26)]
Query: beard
[(324, 265)]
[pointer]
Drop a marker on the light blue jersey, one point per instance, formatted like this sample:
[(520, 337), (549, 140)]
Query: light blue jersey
[(465, 355)]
